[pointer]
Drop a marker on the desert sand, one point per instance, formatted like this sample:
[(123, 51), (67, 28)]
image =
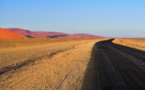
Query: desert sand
[(54, 65), (72, 64)]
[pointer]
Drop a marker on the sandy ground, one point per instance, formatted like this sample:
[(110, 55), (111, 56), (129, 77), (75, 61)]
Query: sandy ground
[(46, 67), (111, 64), (138, 43)]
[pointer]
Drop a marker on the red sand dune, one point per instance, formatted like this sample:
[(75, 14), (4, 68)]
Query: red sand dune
[(6, 34), (26, 33), (83, 36), (41, 34)]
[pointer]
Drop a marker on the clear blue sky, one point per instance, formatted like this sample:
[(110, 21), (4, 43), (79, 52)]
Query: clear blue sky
[(115, 18)]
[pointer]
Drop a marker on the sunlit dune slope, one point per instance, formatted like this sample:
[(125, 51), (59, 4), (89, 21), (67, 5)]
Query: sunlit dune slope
[(5, 34)]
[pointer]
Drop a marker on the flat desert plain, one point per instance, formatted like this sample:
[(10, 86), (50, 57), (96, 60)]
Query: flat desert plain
[(72, 64), (27, 64)]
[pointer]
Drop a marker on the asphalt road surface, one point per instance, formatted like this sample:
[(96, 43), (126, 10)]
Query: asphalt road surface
[(115, 67)]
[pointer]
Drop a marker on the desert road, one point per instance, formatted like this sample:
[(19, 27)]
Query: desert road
[(115, 67), (73, 65)]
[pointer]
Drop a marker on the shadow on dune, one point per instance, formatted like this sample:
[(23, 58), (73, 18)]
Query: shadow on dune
[(56, 36), (129, 78), (29, 36)]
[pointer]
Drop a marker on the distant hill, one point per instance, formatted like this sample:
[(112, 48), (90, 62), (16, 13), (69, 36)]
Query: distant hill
[(42, 34), (52, 34), (6, 34), (83, 36)]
